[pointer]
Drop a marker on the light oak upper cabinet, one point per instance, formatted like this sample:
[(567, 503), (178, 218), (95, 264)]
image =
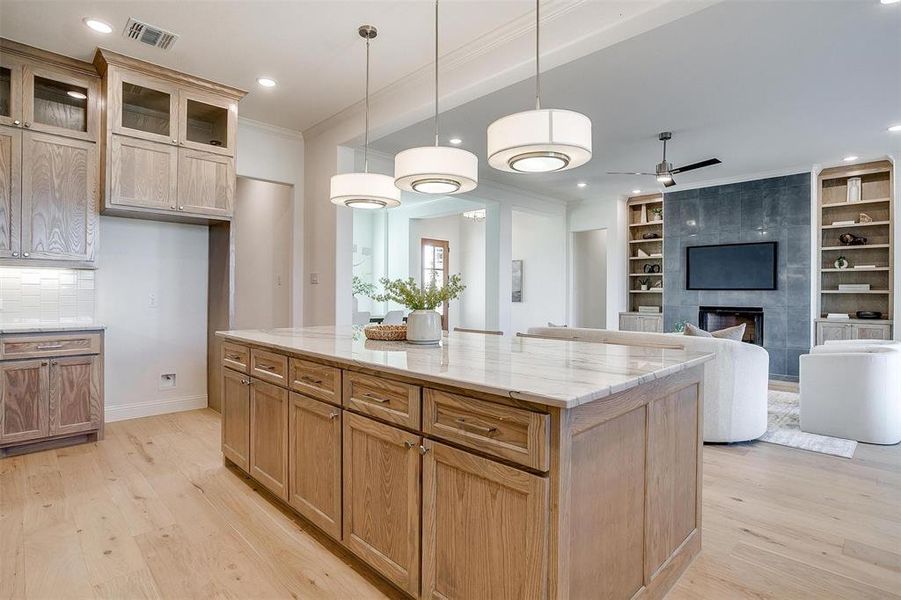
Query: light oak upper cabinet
[(23, 401), (269, 436), (493, 544), (314, 430), (235, 411), (10, 191), (169, 142), (75, 394), (382, 493)]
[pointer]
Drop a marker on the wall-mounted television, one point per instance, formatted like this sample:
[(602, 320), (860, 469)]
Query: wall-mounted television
[(731, 267)]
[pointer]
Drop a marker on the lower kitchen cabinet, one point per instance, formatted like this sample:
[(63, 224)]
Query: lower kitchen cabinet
[(235, 409), (269, 436), (24, 399), (484, 527), (75, 397), (382, 467), (314, 462)]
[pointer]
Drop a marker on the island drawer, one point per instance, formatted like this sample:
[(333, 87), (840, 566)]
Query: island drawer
[(235, 356), (269, 366), (33, 345), (384, 399), (316, 380), (515, 434)]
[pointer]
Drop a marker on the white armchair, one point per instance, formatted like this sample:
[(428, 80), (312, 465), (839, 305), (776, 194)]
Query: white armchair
[(853, 391)]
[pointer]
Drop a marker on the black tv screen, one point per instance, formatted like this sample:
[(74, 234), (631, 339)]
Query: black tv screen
[(731, 267)]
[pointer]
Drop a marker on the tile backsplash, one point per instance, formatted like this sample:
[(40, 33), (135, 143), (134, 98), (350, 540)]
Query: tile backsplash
[(36, 295)]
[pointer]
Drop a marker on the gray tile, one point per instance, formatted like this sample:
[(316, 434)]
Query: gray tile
[(775, 325), (798, 329), (792, 360), (777, 361)]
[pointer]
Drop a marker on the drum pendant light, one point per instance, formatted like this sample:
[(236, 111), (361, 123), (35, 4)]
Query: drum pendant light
[(365, 190), (540, 140), (436, 169)]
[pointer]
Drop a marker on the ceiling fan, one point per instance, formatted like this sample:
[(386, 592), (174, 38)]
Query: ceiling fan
[(665, 171)]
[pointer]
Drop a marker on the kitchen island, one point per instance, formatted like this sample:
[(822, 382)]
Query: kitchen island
[(487, 467)]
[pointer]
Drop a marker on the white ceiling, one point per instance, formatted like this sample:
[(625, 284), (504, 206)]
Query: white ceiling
[(311, 48), (763, 85)]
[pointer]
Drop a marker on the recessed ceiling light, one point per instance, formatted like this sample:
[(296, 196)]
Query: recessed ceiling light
[(98, 25), (895, 128), (76, 95), (636, 191), (850, 158), (455, 141), (889, 1), (581, 184), (266, 82)]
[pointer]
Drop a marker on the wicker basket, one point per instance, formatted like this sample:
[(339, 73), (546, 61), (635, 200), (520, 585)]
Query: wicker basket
[(386, 333)]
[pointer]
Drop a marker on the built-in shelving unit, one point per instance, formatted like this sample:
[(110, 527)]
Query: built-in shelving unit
[(875, 202), (645, 216)]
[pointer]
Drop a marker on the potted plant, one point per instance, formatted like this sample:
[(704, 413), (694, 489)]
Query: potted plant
[(423, 323), (658, 214), (644, 282)]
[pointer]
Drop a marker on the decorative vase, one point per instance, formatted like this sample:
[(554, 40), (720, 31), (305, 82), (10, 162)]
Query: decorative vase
[(644, 287), (841, 263), (853, 190), (657, 217), (424, 327)]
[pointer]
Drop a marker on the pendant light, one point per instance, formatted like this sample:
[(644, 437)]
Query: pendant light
[(436, 169), (540, 140), (365, 190)]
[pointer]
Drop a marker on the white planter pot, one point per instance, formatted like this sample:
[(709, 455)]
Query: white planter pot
[(424, 327)]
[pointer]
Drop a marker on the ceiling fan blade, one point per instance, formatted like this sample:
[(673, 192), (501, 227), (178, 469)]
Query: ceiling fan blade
[(698, 165), (669, 183), (628, 173)]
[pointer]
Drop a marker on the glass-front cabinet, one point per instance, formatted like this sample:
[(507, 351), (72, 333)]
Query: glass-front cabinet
[(143, 107), (10, 91), (60, 102), (209, 123)]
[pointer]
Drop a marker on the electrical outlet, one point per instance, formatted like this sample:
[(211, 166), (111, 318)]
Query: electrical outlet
[(314, 278), (167, 381), (153, 300)]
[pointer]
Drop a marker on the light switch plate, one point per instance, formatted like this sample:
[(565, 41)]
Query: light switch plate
[(314, 278)]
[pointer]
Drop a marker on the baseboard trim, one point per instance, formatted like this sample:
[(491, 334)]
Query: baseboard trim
[(150, 408)]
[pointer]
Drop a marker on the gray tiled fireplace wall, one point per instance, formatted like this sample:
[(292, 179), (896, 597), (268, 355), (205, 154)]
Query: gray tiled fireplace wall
[(775, 209)]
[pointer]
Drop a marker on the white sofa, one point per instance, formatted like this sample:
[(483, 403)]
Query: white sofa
[(735, 381), (853, 390)]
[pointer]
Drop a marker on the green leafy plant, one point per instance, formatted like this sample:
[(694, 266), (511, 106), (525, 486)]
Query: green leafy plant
[(644, 281), (657, 211), (362, 288), (679, 326), (409, 294)]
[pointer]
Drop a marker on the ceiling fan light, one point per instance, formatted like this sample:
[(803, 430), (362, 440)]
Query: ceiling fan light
[(364, 190), (664, 178), (539, 141), (436, 170)]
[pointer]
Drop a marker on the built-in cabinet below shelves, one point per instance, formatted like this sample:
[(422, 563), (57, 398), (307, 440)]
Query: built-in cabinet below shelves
[(168, 141), (649, 323), (856, 329)]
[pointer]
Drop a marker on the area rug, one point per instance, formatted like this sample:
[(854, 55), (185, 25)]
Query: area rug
[(783, 428)]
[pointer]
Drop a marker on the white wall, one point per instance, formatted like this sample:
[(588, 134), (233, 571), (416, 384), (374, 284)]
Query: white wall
[(540, 242), (151, 293), (590, 281), (471, 258)]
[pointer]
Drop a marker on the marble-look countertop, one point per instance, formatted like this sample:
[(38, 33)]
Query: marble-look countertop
[(557, 373), (49, 327)]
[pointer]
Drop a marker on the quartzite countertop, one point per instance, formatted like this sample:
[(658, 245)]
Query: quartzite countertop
[(557, 373), (50, 326)]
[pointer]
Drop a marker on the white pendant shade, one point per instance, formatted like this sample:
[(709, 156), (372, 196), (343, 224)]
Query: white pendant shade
[(436, 170), (364, 190), (539, 141)]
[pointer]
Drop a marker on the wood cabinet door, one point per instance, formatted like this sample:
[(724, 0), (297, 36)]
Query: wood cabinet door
[(872, 332), (142, 106), (61, 102), (833, 331), (235, 409), (207, 122), (143, 174), (75, 394), (484, 527), (59, 197), (382, 493), (10, 191), (24, 401), (206, 183), (269, 436), (650, 324), (11, 71), (314, 462), (629, 323)]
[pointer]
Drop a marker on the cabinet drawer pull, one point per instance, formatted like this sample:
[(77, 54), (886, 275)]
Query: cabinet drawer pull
[(333, 416), (234, 357), (312, 380), (49, 346), (408, 444), (423, 450), (270, 368), (476, 428), (375, 398)]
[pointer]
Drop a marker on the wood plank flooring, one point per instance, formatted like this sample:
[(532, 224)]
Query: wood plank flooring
[(151, 512)]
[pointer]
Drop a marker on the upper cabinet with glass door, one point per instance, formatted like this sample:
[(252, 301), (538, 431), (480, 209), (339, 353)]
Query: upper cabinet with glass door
[(10, 90), (142, 107), (208, 123)]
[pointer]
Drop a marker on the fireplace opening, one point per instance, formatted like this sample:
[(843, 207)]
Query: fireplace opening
[(714, 318)]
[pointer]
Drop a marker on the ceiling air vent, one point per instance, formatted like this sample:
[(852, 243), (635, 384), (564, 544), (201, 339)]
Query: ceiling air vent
[(149, 34)]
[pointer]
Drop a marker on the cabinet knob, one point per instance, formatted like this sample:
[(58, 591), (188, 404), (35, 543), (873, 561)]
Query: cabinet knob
[(43, 363), (25, 254), (181, 208), (15, 254), (27, 124), (174, 141), (54, 362), (17, 122)]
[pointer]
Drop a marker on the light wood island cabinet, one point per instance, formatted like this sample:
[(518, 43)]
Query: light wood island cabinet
[(484, 468)]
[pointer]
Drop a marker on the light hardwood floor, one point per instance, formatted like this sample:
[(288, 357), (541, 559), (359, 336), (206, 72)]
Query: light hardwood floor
[(151, 512)]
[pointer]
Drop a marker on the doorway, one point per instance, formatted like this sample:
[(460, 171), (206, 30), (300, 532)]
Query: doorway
[(589, 276), (262, 236), (435, 267)]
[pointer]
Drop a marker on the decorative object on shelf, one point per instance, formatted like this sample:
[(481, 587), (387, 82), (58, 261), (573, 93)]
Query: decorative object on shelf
[(849, 222), (658, 214), (655, 268), (517, 281), (851, 239), (647, 268), (864, 267), (386, 333), (436, 169), (838, 316), (869, 314), (854, 287), (641, 254), (649, 309), (424, 323), (841, 263), (539, 140), (865, 218), (651, 235), (656, 255), (658, 285), (364, 190), (854, 189), (644, 282)]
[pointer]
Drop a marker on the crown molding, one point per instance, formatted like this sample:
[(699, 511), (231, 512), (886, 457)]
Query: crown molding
[(275, 129)]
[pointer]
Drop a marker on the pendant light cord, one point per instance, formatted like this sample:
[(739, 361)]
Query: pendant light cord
[(537, 56), (436, 72), (366, 127)]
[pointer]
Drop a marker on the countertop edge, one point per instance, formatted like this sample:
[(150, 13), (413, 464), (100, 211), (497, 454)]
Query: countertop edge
[(49, 328)]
